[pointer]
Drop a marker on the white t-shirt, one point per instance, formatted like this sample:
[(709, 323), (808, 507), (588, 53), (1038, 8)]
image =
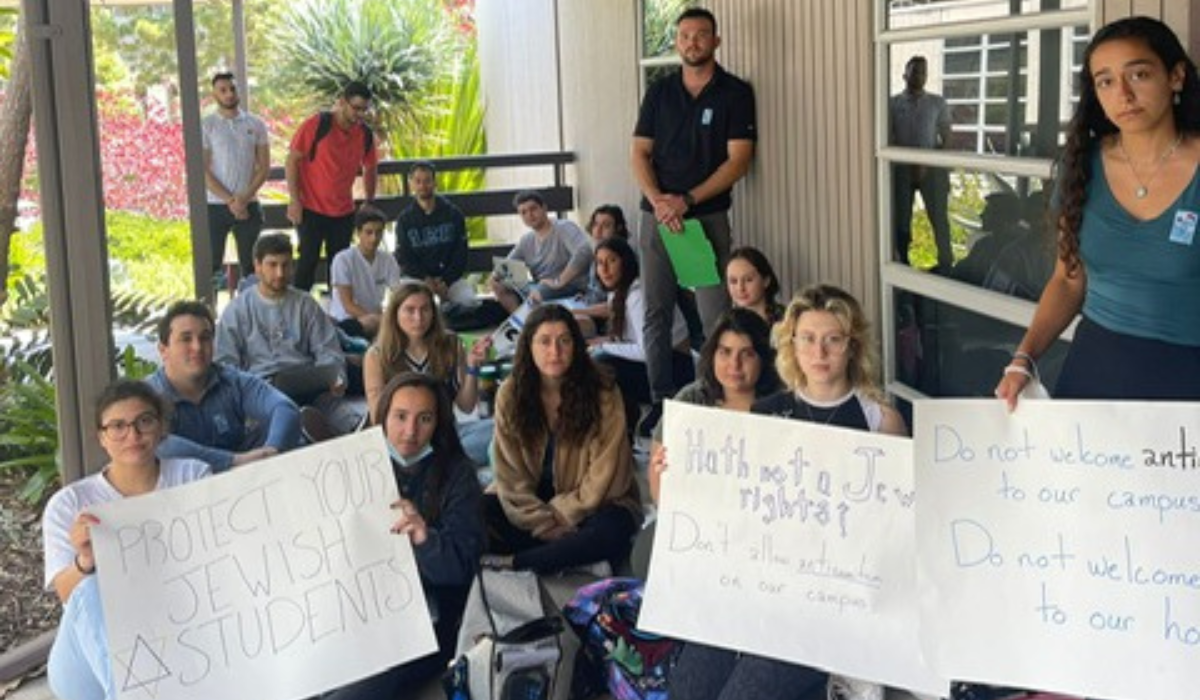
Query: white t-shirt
[(368, 281), (233, 145), (65, 505)]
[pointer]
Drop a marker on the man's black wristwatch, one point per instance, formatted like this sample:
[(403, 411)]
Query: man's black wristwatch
[(689, 200)]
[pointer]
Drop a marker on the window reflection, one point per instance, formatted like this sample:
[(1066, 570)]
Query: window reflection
[(1000, 237), (1007, 94), (943, 350), (903, 14)]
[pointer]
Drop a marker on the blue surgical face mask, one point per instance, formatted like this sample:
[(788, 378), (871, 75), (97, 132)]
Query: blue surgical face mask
[(409, 461)]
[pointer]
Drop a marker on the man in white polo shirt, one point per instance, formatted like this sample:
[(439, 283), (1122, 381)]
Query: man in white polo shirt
[(237, 157)]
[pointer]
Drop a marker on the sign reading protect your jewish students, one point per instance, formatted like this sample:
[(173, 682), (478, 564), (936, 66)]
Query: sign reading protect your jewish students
[(1060, 545), (276, 580), (789, 540)]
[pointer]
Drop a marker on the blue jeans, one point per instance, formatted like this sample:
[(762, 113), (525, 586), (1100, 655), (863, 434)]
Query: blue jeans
[(476, 438), (78, 668)]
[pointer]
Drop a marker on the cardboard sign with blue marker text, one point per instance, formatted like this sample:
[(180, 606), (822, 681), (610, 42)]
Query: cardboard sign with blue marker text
[(273, 581), (1060, 545), (789, 540)]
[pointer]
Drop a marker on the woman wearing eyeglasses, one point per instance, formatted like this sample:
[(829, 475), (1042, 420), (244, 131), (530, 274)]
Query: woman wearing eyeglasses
[(826, 357), (566, 494), (131, 421)]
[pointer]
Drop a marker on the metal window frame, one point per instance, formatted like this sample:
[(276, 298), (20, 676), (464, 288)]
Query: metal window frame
[(895, 276)]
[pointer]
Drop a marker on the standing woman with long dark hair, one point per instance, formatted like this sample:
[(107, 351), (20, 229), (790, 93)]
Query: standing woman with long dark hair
[(565, 490), (1128, 204)]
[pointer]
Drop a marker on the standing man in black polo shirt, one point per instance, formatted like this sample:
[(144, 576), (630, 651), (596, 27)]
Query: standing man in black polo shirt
[(694, 139)]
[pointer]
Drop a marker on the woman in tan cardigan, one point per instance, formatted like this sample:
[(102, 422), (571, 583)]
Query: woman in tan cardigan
[(565, 490)]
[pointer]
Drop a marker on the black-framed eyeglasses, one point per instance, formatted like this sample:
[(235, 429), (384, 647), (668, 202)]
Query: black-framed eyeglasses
[(119, 429)]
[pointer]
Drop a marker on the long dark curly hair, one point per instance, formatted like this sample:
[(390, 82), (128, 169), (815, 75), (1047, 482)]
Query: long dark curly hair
[(629, 274), (1090, 125), (579, 412)]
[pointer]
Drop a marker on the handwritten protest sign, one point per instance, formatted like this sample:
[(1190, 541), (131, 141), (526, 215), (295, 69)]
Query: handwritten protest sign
[(789, 540), (275, 580), (1060, 545)]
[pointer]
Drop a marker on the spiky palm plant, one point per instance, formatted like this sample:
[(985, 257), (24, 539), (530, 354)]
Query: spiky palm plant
[(401, 49)]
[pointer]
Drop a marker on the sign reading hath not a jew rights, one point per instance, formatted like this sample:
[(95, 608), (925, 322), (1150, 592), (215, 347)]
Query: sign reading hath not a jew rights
[(276, 580), (788, 540), (1060, 545)]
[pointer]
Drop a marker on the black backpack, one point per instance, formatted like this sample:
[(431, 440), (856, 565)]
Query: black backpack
[(325, 123)]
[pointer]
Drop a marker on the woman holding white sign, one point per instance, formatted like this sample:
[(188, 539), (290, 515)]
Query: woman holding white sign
[(736, 368), (825, 356), (1128, 205), (565, 490), (439, 512), (131, 420)]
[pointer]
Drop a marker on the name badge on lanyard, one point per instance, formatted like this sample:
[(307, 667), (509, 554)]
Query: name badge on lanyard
[(1184, 228)]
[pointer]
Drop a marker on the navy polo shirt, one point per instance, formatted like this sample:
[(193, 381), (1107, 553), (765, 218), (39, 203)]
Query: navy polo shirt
[(691, 135)]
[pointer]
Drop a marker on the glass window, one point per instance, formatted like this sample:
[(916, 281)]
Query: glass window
[(998, 234), (658, 25), (1008, 95), (904, 14), (945, 350), (996, 110)]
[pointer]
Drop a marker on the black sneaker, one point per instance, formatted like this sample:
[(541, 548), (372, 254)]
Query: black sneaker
[(646, 426), (314, 427)]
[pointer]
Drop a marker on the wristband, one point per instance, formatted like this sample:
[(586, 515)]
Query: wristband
[(473, 371), (85, 572), (1018, 369), (1020, 355)]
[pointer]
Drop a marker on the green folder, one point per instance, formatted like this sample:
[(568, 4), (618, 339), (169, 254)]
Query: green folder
[(691, 254)]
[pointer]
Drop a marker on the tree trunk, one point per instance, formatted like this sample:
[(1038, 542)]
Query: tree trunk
[(15, 113)]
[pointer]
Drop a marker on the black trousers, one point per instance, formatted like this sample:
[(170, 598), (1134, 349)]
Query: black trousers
[(334, 232), (606, 535)]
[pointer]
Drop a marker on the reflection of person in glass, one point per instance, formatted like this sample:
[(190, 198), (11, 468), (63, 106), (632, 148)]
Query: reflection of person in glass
[(1127, 210), (920, 119)]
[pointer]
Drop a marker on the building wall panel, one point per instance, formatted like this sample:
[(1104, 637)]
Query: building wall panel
[(809, 201)]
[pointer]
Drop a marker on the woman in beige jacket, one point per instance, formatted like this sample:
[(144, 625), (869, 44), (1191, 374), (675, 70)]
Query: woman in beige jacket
[(565, 490)]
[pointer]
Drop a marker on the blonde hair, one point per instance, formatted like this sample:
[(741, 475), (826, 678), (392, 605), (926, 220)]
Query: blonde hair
[(861, 365)]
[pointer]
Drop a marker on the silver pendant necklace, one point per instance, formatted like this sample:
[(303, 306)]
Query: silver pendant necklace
[(1144, 185)]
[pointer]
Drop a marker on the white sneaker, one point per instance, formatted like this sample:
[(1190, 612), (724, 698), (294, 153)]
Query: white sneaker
[(847, 688)]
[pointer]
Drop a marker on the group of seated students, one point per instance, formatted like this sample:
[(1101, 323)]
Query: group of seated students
[(564, 495)]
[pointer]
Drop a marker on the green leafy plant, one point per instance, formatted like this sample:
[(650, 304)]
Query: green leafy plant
[(28, 413), (29, 434), (400, 50), (8, 38), (419, 59), (658, 25)]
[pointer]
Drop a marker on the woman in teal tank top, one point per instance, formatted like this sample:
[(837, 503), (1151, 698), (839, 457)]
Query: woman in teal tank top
[(1127, 211)]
